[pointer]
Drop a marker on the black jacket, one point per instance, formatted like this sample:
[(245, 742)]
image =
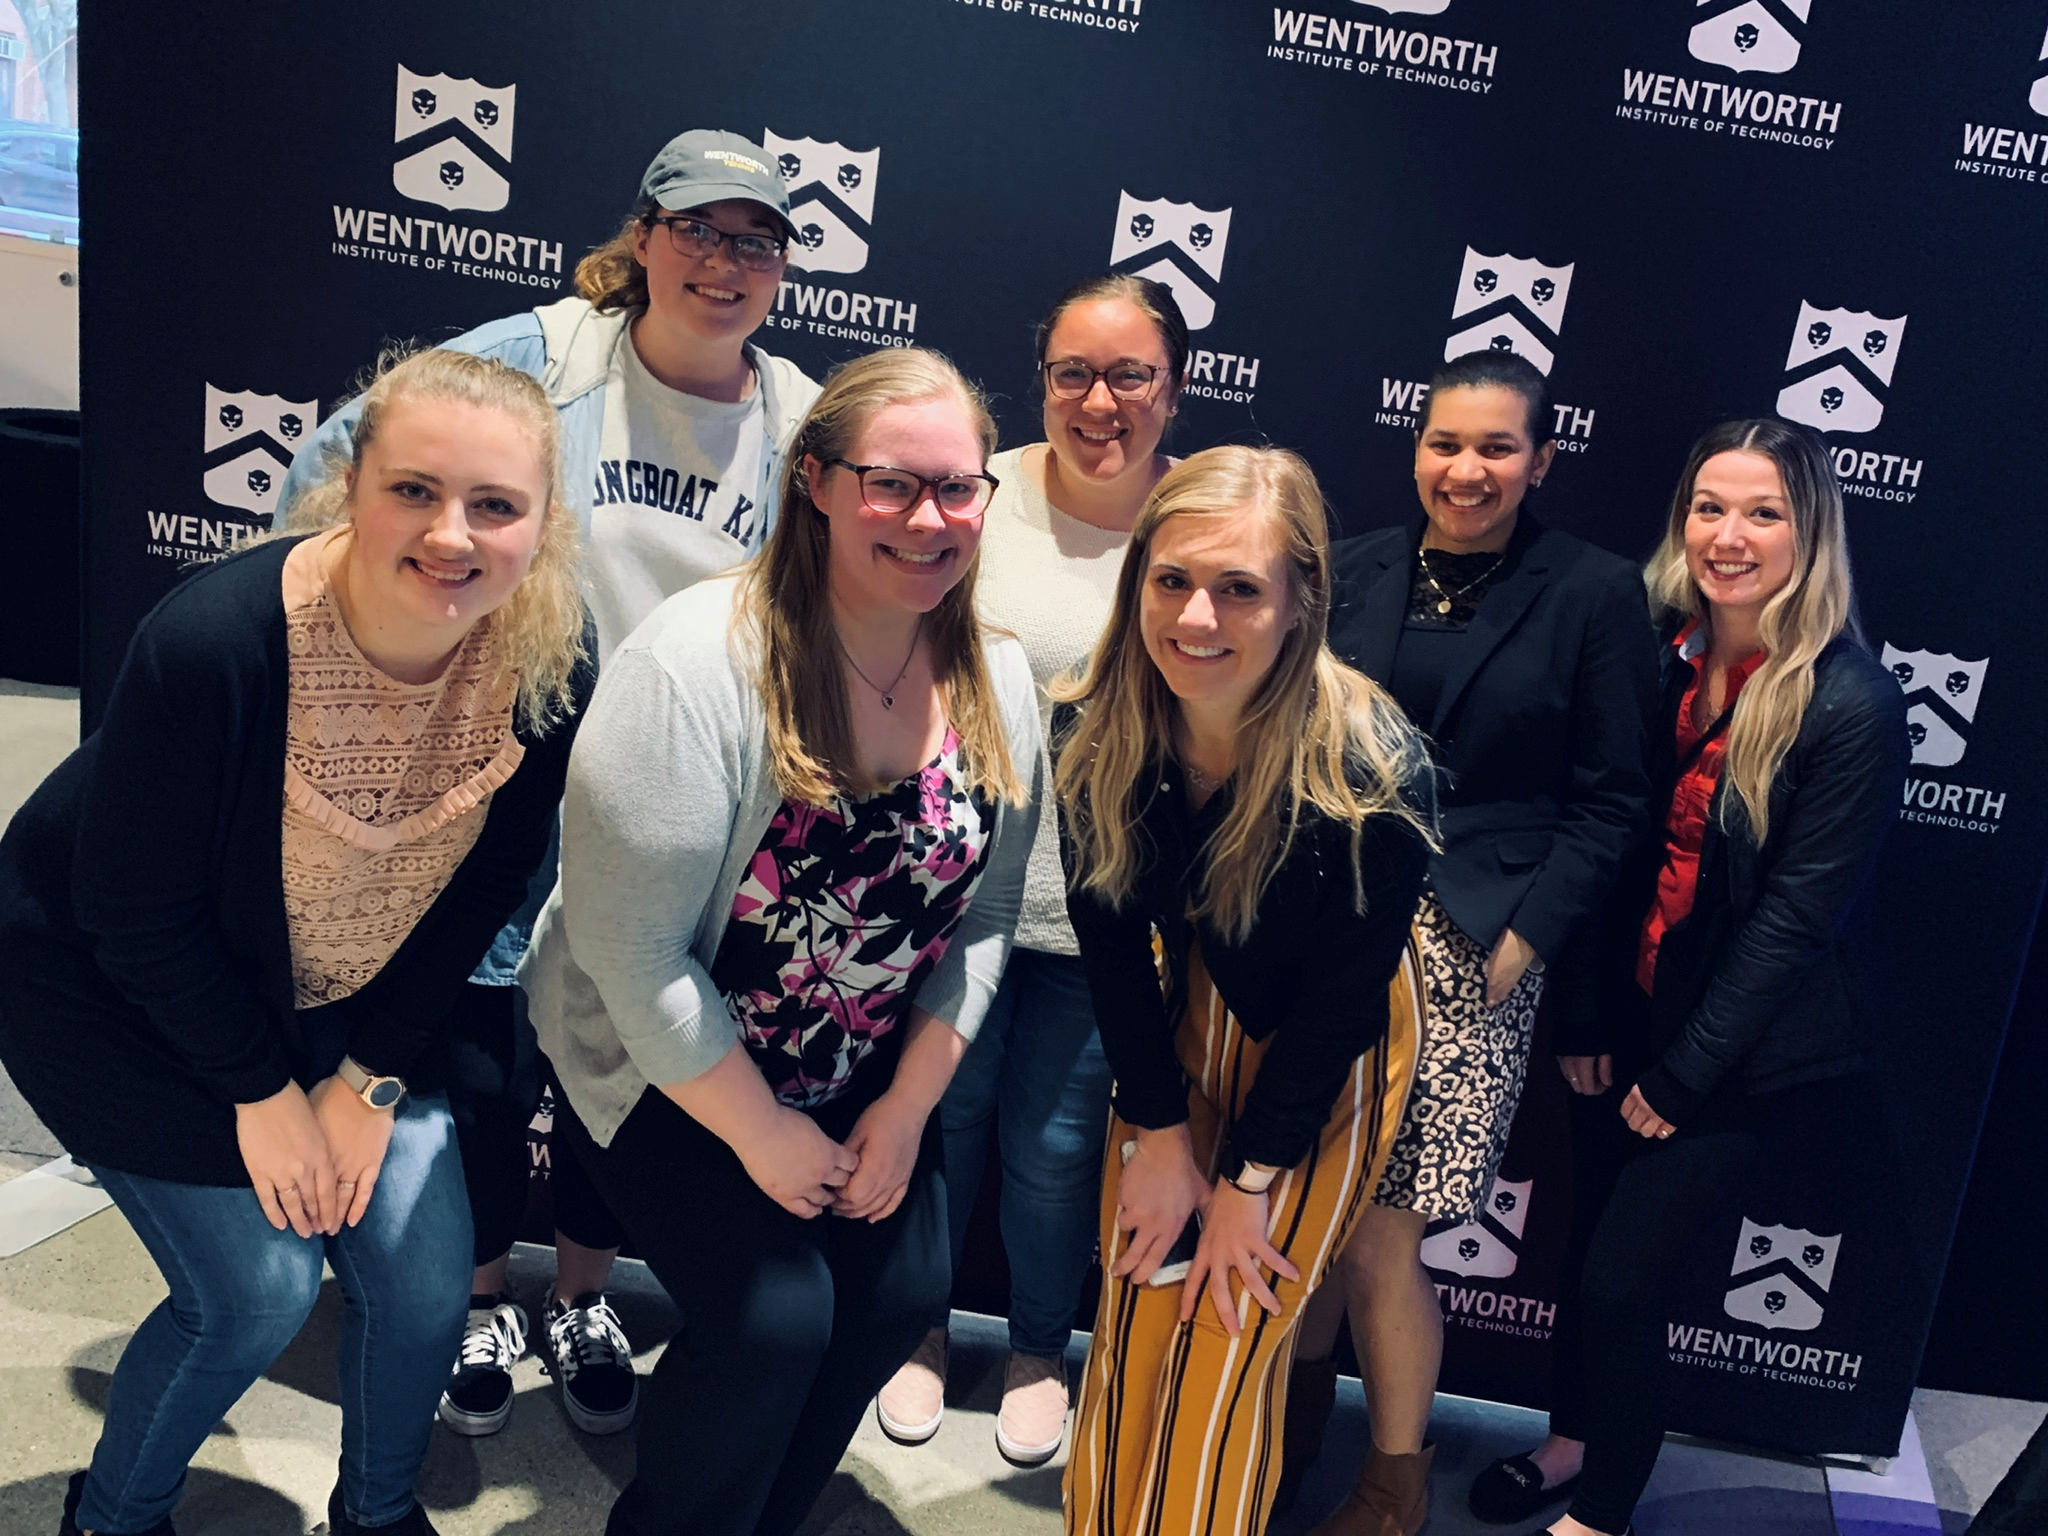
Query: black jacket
[(142, 923), (1540, 731), (1749, 986), (1313, 974)]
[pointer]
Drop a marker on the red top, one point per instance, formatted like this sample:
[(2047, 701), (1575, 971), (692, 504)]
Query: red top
[(1685, 828)]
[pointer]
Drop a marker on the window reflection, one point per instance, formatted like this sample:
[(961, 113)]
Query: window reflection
[(39, 119)]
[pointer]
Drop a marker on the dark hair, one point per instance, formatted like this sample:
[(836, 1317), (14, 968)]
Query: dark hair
[(1154, 300), (1497, 370)]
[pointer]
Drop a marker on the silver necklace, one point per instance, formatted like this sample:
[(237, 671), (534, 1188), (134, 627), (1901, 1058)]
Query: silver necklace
[(889, 693), (1444, 598)]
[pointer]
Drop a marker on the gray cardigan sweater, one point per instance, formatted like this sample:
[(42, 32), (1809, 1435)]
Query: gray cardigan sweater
[(669, 794)]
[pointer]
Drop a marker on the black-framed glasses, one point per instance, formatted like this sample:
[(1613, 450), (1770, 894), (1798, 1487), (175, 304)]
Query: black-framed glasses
[(698, 240), (961, 495), (1071, 379)]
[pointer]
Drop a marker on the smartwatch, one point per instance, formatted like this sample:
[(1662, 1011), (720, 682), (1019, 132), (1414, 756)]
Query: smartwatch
[(376, 1092), (1250, 1178)]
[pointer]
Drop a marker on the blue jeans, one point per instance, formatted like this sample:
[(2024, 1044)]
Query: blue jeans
[(1037, 1067), (241, 1289)]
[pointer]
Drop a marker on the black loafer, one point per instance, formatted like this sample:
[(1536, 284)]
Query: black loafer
[(1512, 1489), (68, 1526), (413, 1523)]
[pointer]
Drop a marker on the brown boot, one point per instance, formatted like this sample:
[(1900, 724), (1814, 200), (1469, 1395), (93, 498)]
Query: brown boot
[(1311, 1395), (1390, 1498)]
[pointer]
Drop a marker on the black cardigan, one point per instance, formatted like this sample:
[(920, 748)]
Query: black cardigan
[(142, 924), (1540, 730), (1313, 974), (1749, 987)]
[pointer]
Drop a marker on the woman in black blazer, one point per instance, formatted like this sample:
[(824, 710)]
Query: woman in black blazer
[(1527, 656), (1778, 754)]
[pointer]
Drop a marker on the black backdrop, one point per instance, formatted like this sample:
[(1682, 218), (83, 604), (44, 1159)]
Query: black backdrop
[(1684, 211)]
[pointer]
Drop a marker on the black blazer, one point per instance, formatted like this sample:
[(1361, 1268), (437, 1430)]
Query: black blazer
[(1541, 729), (1749, 985), (1312, 974), (142, 923)]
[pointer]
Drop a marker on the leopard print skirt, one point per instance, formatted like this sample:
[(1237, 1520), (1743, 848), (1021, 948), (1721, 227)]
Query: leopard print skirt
[(1468, 1081)]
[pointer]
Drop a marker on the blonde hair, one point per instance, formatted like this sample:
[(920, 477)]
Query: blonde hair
[(611, 276), (1315, 734), (1798, 622), (539, 629), (785, 608)]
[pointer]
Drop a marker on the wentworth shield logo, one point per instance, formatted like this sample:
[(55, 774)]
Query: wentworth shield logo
[(1784, 1275), (2038, 97), (455, 141), (831, 200), (1942, 691), (1840, 363), (249, 441), (1517, 304), (1750, 36), (1490, 1244), (1177, 244)]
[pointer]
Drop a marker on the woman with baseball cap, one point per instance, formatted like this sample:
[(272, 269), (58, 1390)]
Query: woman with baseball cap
[(674, 427)]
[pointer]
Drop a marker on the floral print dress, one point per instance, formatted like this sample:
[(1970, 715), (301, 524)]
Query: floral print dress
[(843, 912)]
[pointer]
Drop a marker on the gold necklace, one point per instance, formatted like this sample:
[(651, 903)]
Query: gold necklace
[(1444, 598)]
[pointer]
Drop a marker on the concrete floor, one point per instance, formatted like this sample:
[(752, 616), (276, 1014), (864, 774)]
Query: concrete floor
[(68, 1305)]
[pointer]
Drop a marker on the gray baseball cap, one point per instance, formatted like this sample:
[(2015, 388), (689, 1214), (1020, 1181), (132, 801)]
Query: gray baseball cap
[(707, 164)]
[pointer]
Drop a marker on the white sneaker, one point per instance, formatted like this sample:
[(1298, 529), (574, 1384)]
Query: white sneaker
[(910, 1407)]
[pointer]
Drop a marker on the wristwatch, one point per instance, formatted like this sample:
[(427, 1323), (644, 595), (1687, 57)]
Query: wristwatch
[(377, 1092), (1250, 1178)]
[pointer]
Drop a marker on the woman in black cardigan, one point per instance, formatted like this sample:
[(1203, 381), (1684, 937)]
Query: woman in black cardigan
[(1527, 656), (1779, 752), (235, 920)]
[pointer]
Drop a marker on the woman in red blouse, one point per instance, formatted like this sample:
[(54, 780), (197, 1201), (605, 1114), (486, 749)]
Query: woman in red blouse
[(1782, 747)]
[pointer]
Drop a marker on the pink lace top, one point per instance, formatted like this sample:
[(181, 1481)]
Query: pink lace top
[(386, 784)]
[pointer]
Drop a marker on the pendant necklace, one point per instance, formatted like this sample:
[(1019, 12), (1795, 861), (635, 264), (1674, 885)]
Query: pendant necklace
[(889, 693), (1444, 598)]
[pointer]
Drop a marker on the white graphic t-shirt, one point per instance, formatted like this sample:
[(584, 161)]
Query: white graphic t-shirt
[(679, 492)]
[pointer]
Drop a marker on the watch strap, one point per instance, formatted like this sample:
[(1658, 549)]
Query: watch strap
[(375, 1092)]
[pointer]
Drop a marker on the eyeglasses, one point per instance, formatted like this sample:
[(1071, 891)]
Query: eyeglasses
[(959, 496), (1071, 379), (697, 240)]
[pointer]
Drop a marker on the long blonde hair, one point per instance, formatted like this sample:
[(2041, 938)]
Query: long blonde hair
[(612, 275), (1797, 624), (1315, 734), (540, 627), (785, 606)]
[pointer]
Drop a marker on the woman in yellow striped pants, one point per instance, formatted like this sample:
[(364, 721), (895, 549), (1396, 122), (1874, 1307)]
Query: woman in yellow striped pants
[(1247, 824)]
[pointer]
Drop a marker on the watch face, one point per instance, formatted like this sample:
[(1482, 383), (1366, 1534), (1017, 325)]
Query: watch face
[(385, 1092)]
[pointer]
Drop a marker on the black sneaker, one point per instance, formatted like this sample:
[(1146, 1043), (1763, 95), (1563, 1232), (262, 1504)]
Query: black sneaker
[(68, 1525), (1511, 1489), (588, 1353), (413, 1522), (478, 1398)]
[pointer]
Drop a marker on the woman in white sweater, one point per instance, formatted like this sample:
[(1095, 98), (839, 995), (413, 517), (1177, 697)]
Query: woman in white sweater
[(791, 860), (1112, 355)]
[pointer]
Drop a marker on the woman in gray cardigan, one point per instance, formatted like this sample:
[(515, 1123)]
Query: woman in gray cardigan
[(793, 847)]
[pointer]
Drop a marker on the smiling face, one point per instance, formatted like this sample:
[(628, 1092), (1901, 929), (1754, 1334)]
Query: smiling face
[(902, 560), (1100, 437), (447, 507), (1217, 604), (1474, 462), (1739, 544), (711, 298)]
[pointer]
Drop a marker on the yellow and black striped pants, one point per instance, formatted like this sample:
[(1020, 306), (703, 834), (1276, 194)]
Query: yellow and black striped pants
[(1177, 1432)]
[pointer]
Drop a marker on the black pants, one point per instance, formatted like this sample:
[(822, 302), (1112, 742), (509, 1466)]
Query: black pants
[(2018, 1506), (495, 1073), (1600, 1150), (1663, 1194), (789, 1326)]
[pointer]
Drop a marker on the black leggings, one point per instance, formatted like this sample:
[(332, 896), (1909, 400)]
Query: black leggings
[(1664, 1193), (789, 1326), (1601, 1148), (495, 1073)]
